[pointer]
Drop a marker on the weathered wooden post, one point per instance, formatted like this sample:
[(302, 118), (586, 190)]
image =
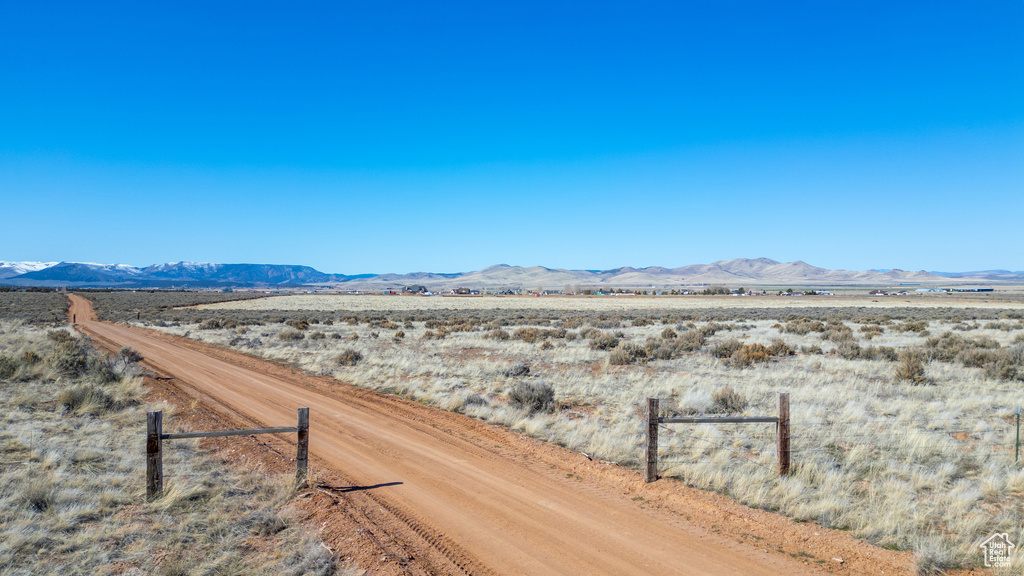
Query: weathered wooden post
[(154, 455), (783, 433), (651, 471), (302, 447)]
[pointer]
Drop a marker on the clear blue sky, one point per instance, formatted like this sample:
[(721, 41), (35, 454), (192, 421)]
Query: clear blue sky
[(400, 137)]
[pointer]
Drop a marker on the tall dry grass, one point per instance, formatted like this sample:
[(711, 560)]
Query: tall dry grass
[(72, 489)]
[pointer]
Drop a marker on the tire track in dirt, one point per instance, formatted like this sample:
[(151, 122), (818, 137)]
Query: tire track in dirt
[(488, 511)]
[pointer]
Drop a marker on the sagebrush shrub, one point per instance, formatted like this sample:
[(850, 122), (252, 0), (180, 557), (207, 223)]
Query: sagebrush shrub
[(68, 358), (604, 342), (349, 357), (627, 353), (298, 324), (748, 354), (911, 367), (726, 400), (780, 348), (497, 334), (534, 397), (726, 349), (7, 367), (517, 370), (291, 335)]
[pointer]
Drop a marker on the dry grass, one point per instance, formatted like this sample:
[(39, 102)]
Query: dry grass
[(72, 490), (926, 468)]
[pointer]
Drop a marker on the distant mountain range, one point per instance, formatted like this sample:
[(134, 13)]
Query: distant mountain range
[(734, 273)]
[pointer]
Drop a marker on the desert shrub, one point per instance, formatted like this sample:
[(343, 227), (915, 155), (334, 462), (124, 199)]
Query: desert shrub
[(349, 357), (951, 347), (497, 334), (848, 350), (533, 397), (317, 335), (668, 333), (999, 326), (726, 349), (803, 326), (812, 349), (1002, 367), (102, 370), (517, 370), (603, 342), (398, 335), (60, 336), (838, 333), (68, 358), (919, 326), (871, 330), (879, 353), (780, 348), (298, 323), (748, 354), (211, 324), (546, 345), (528, 335), (29, 358), (691, 341), (291, 335), (911, 366), (642, 322), (7, 367), (627, 353), (91, 398), (659, 349), (726, 400), (128, 355)]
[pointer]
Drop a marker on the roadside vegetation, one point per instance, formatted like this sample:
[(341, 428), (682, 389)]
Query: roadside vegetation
[(72, 478), (903, 418), (38, 306), (125, 305)]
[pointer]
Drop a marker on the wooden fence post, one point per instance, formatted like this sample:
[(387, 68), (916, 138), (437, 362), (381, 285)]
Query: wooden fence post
[(154, 455), (783, 433), (651, 471), (302, 447)]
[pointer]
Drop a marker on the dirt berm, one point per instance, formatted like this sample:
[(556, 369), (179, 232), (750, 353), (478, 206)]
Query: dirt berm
[(457, 496)]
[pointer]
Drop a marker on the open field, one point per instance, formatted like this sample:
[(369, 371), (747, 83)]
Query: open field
[(71, 478), (41, 307), (924, 463), (660, 304), (123, 305)]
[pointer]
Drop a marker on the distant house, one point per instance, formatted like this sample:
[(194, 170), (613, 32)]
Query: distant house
[(878, 293), (414, 289)]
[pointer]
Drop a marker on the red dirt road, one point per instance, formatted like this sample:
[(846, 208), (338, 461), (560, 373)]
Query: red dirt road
[(452, 480)]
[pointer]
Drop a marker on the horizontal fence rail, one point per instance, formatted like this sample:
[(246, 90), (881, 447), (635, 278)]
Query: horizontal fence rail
[(183, 435), (719, 420), (653, 420), (155, 437)]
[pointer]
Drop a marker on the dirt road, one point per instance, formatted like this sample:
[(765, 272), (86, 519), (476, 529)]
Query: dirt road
[(452, 480)]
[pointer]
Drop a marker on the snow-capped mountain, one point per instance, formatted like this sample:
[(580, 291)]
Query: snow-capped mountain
[(11, 269)]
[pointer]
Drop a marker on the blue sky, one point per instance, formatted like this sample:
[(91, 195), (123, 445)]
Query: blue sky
[(400, 137)]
